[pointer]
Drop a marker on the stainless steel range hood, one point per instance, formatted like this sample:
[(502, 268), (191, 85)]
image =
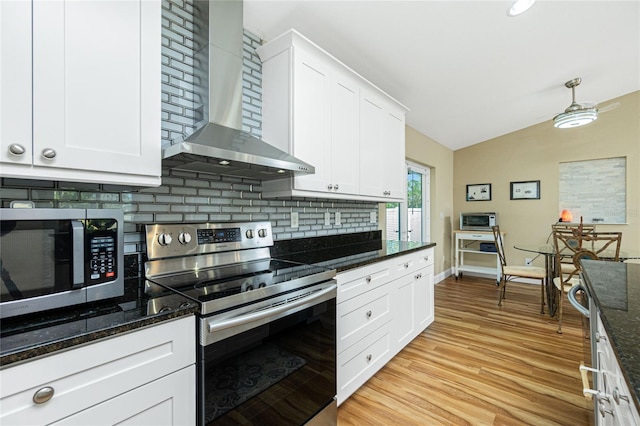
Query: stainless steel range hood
[(220, 146)]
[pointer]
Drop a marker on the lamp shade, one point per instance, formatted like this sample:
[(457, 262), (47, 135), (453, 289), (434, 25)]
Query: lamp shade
[(576, 118)]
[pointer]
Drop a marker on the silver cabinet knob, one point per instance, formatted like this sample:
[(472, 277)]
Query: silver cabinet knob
[(369, 313), (16, 149), (368, 279), (369, 357), (406, 265), (603, 410), (330, 187), (49, 153), (44, 394), (336, 187), (617, 396)]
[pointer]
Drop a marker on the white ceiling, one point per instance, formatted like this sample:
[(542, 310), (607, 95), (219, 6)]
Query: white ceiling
[(467, 71)]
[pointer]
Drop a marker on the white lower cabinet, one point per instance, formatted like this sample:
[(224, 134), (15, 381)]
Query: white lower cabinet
[(381, 308), (142, 377), (615, 404)]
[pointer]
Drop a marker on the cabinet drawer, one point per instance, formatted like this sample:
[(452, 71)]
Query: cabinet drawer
[(88, 375), (360, 280), (361, 315), (362, 360), (412, 262)]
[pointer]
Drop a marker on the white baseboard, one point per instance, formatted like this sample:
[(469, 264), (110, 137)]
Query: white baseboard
[(448, 272)]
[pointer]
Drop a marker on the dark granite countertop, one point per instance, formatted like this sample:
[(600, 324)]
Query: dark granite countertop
[(34, 335), (615, 288), (26, 337), (344, 252)]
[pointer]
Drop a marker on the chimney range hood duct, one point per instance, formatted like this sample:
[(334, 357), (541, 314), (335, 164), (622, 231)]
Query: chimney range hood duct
[(220, 146)]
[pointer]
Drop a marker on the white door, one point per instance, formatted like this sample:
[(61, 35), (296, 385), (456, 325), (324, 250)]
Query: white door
[(411, 221)]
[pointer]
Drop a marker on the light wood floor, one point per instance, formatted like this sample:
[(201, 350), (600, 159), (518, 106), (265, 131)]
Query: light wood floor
[(480, 364)]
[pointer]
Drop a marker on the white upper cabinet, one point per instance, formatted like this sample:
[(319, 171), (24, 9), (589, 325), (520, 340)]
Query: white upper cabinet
[(316, 108), (95, 72), (382, 169)]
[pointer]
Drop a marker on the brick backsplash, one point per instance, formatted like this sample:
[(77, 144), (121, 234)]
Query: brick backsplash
[(195, 197)]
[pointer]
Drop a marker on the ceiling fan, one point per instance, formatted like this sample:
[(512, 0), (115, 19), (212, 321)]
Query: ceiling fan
[(576, 114), (579, 114)]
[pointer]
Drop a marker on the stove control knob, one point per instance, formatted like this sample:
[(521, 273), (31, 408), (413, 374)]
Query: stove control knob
[(164, 239), (184, 238), (262, 233), (250, 234)]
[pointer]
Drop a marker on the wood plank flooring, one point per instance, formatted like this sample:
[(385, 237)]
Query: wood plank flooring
[(480, 364)]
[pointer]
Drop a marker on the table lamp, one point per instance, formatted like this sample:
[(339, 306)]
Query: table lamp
[(565, 216)]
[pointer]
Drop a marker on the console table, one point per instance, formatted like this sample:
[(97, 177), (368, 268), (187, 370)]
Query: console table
[(469, 242)]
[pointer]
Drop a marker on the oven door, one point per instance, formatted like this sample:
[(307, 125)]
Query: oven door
[(271, 363)]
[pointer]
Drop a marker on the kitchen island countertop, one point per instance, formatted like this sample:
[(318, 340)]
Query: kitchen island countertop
[(615, 287)]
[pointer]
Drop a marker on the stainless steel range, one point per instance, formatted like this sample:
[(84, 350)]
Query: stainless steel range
[(266, 327)]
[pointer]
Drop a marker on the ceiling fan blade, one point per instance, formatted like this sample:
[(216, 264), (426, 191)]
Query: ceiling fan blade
[(588, 104), (609, 107)]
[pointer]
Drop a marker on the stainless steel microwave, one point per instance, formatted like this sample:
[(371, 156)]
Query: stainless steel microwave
[(53, 258), (478, 221)]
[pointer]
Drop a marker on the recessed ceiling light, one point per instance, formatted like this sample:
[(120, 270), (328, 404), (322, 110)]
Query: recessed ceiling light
[(520, 6), (223, 163)]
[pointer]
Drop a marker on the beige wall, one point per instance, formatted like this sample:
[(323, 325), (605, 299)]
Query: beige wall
[(534, 153)]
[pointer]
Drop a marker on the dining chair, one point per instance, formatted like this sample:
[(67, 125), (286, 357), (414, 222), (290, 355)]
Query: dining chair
[(567, 263), (570, 248), (511, 272)]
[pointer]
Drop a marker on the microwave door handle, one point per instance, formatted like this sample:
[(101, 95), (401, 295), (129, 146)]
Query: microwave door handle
[(77, 232)]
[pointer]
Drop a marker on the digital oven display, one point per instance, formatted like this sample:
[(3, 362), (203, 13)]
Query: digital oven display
[(212, 236)]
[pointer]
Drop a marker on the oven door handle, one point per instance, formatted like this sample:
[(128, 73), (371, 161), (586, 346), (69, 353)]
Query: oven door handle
[(304, 302), (574, 301)]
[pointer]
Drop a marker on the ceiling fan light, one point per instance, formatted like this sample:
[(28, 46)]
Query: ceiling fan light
[(567, 120), (520, 6)]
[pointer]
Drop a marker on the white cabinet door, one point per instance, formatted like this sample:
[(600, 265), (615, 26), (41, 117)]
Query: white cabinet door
[(392, 158), (311, 115), (170, 400), (382, 148), (345, 169), (404, 311), (96, 92), (371, 118), (424, 299), (15, 82)]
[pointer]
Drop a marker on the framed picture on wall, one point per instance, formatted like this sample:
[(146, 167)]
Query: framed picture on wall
[(526, 190), (479, 192)]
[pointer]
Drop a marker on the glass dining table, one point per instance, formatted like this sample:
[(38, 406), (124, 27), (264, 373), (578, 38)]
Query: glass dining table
[(547, 250)]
